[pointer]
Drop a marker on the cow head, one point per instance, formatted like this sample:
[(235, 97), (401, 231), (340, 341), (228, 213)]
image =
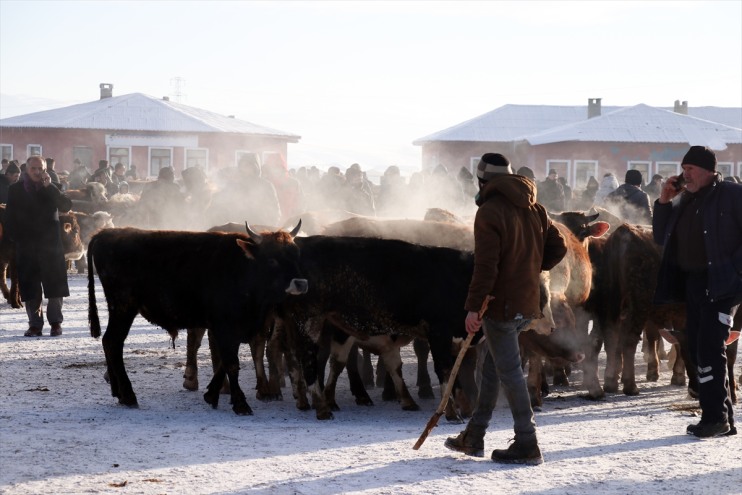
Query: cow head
[(276, 259), (581, 224)]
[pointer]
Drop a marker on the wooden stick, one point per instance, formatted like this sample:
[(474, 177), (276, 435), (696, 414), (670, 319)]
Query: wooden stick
[(433, 421)]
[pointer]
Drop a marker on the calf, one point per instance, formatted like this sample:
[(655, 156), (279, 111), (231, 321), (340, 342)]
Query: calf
[(219, 281)]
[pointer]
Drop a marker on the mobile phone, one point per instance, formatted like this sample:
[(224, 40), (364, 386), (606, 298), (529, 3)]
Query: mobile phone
[(679, 183)]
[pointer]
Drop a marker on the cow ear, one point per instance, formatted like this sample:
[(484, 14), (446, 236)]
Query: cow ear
[(599, 228), (67, 227), (246, 247)]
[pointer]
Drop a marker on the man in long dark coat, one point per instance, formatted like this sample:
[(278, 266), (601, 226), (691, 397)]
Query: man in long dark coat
[(32, 223)]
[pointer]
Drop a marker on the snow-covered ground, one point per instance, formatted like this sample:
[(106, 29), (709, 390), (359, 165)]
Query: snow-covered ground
[(61, 432)]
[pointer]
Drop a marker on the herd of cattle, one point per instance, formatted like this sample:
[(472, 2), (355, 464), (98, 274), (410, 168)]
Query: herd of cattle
[(304, 301)]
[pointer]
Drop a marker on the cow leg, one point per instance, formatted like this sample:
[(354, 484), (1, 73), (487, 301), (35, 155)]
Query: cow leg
[(193, 343), (440, 349), (4, 280), (285, 334), (116, 332), (612, 359), (215, 362), (731, 359), (467, 396), (592, 346), (367, 369), (277, 353), (561, 374), (338, 358), (257, 350), (650, 344), (632, 336), (536, 376), (228, 348), (424, 387), (393, 362), (357, 387), (677, 365), (380, 372), (15, 289)]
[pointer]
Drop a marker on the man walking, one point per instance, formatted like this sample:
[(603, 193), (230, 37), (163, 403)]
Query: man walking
[(514, 240)]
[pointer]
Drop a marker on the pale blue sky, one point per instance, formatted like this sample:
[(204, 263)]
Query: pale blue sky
[(360, 81)]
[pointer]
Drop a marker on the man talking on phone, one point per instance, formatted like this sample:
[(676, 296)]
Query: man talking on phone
[(698, 220), (32, 223)]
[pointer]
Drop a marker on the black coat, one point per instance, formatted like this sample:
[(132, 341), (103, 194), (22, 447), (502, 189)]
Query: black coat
[(32, 223)]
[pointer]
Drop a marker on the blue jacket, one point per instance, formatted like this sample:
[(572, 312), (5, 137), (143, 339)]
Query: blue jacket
[(722, 228)]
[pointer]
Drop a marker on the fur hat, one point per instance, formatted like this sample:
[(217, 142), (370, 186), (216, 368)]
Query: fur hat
[(526, 172), (492, 164), (700, 156), (634, 177)]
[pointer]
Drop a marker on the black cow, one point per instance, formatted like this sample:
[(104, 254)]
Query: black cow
[(221, 281), (377, 287)]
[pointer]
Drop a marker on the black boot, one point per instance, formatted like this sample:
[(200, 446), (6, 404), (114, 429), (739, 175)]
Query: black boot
[(519, 452), (710, 430), (467, 442)]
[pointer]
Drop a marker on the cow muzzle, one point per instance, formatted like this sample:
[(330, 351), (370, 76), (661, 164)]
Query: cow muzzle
[(297, 286)]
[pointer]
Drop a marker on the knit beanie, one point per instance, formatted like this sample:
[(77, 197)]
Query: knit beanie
[(700, 156), (492, 164), (633, 177)]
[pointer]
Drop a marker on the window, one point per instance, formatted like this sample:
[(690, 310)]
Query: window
[(643, 167), (725, 169), (197, 157), (119, 155), (473, 163), (84, 154), (6, 151), (239, 154), (584, 169), (33, 149), (667, 169), (159, 158)]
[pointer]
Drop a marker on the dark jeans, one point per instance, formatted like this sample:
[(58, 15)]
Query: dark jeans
[(502, 364), (707, 326)]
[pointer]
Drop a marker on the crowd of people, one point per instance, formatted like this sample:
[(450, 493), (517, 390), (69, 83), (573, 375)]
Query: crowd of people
[(700, 233)]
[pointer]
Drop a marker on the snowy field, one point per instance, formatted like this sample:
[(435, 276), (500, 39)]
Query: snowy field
[(62, 433)]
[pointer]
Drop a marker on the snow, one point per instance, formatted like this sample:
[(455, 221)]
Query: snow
[(62, 433)]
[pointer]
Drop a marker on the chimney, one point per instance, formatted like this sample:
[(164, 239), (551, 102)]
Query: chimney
[(106, 90), (165, 98), (593, 107), (681, 108)]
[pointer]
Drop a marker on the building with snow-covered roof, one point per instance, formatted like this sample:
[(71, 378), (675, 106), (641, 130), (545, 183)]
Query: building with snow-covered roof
[(584, 141), (138, 129)]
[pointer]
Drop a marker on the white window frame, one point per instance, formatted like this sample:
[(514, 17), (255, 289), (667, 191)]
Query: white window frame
[(108, 154), (739, 169), (659, 165), (204, 166), (30, 146), (729, 165), (149, 159), (575, 163), (473, 164), (3, 146)]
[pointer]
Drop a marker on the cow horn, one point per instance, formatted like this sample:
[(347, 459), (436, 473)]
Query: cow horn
[(257, 238), (296, 229)]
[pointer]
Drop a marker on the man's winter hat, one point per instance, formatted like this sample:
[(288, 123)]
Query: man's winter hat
[(492, 164), (700, 156), (633, 177)]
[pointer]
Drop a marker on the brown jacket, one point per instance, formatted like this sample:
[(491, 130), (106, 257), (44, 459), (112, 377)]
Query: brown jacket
[(514, 240)]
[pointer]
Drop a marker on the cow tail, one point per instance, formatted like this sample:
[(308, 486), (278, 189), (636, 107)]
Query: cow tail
[(93, 320)]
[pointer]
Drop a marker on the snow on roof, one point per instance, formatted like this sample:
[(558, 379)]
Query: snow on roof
[(539, 124), (139, 112), (643, 124)]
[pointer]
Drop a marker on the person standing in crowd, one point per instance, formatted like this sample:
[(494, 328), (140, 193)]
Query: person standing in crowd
[(701, 232), (11, 176), (654, 187), (631, 202), (32, 223), (568, 197), (79, 175), (587, 198), (514, 240), (359, 198), (131, 173), (288, 190), (119, 176), (608, 184), (162, 204), (50, 163), (551, 192), (4, 165)]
